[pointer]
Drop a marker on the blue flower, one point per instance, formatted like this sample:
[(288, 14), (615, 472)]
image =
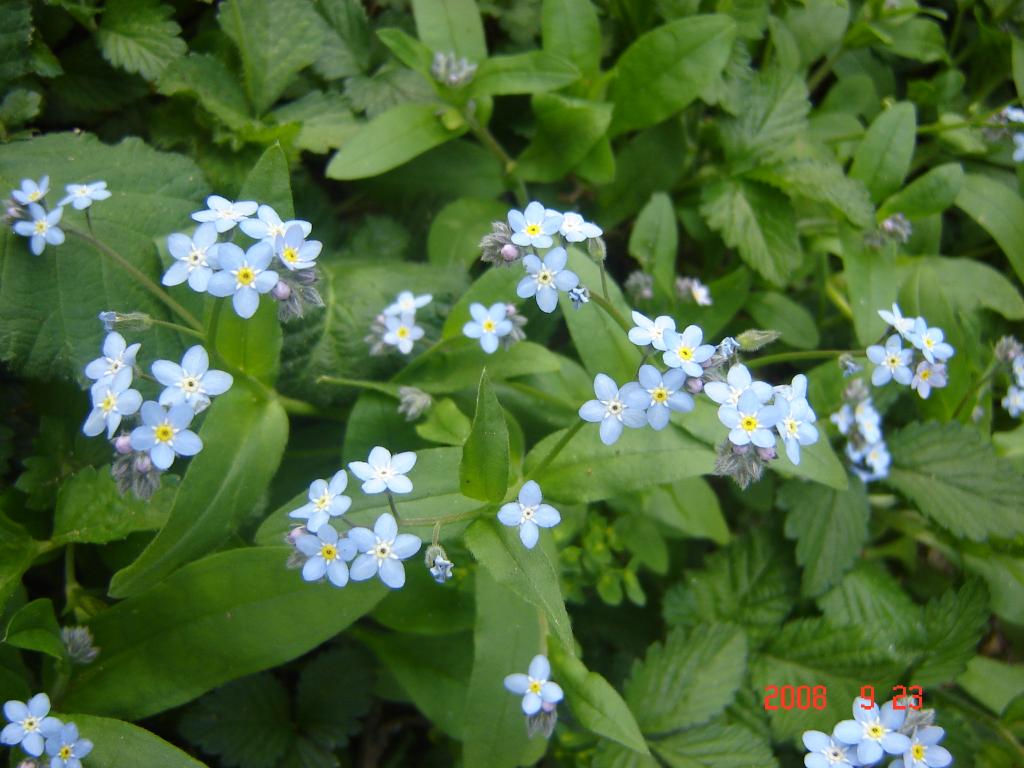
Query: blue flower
[(295, 251), (30, 191), (534, 226), (929, 341), (872, 732), (868, 421), (528, 513), (535, 686), (384, 472), (892, 361), (116, 355), (662, 394), (43, 229), (546, 278), (326, 500), (902, 325), (750, 421), (191, 382), (441, 570), (843, 419), (401, 332), (164, 433), (928, 376), (488, 325), (29, 724), (575, 229), (224, 213), (267, 226), (1018, 147), (383, 550), (796, 426), (737, 381), (826, 752), (244, 277), (406, 303), (65, 749), (646, 331), (614, 408), (327, 555), (1017, 366), (684, 350), (111, 399), (924, 751), (797, 390), (194, 257), (1014, 401), (81, 196)]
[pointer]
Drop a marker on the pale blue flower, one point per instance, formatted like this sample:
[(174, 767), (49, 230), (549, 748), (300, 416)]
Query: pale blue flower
[(737, 381), (750, 421), (796, 426), (875, 456), (117, 354), (575, 229), (546, 278), (534, 226), (326, 500), (43, 229), (902, 325), (191, 382), (81, 196), (1013, 114), (31, 192), (244, 276), (194, 257), (401, 332), (891, 361), (647, 331), (924, 751), (797, 390), (328, 555), (111, 400), (579, 296), (843, 419), (66, 749), (442, 569), (868, 421), (929, 341), (1014, 401), (383, 550), (294, 251), (488, 325), (826, 752), (406, 303), (29, 725), (614, 408), (528, 513), (535, 686), (662, 394), (1017, 366), (873, 733), (384, 472), (224, 213), (267, 226), (164, 433), (927, 377), (1018, 147), (685, 350)]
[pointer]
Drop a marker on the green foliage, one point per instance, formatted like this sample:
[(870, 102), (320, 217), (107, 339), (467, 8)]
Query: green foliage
[(139, 36), (34, 628), (483, 473), (116, 741)]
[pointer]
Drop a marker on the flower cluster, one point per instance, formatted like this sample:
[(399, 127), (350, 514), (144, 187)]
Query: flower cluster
[(858, 420), (396, 325), (893, 362), (30, 727), (895, 228), (27, 209), (1010, 353)]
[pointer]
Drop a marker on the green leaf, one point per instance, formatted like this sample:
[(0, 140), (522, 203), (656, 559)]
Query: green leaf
[(1005, 576), (15, 38), (1017, 64), (346, 48), (457, 365), (212, 84), (326, 718), (91, 510), (690, 679), (570, 28), (391, 139), (18, 107), (774, 115), (871, 282), (999, 210), (451, 26), (829, 526), (407, 49), (955, 478), (969, 284), (34, 628), (638, 169), (243, 439), (483, 473), (931, 192), (759, 222), (456, 231), (883, 158), (688, 506), (325, 120), (217, 619), (715, 745), (531, 72), (823, 182), (778, 312), (568, 130), (139, 36), (420, 608), (994, 683), (117, 743), (955, 623), (445, 424), (918, 39), (17, 551), (654, 241), (667, 68), (274, 40)]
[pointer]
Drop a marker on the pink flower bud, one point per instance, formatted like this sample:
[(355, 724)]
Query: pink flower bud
[(123, 444), (509, 252), (281, 291), (143, 464)]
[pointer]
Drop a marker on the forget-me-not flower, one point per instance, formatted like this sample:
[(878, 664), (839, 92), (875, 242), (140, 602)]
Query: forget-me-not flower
[(544, 279), (737, 381), (843, 419), (534, 226), (66, 749), (891, 361), (528, 512), (117, 354), (575, 229), (796, 426), (868, 421), (111, 399), (191, 382), (902, 325), (488, 325), (165, 434), (295, 251), (194, 257), (873, 732), (685, 350), (1014, 401), (924, 751), (328, 555), (797, 390), (535, 686), (383, 550), (384, 472), (267, 225), (1018, 147), (31, 191), (244, 276), (224, 213), (406, 303), (929, 341), (928, 376), (401, 332), (663, 394), (614, 408), (750, 421), (81, 196), (326, 500), (29, 724), (647, 331), (1017, 368), (826, 752), (43, 229)]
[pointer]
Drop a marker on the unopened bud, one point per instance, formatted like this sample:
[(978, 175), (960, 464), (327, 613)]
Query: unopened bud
[(79, 644), (412, 402), (597, 248), (728, 347), (282, 291), (123, 444), (125, 321), (848, 365), (1007, 349), (543, 721), (695, 386), (579, 296), (437, 562), (509, 252), (766, 454), (143, 464), (755, 338)]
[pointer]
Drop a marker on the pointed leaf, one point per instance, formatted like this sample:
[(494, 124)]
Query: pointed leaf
[(483, 473)]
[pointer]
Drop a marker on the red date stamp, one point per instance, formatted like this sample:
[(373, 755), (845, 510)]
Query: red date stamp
[(788, 697)]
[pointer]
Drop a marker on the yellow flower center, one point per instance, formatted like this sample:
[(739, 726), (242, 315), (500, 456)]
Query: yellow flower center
[(64, 753), (659, 394), (34, 195), (109, 403), (402, 332), (533, 229), (289, 254), (488, 326), (545, 276), (164, 433), (748, 423), (925, 374), (792, 426), (82, 191), (929, 342), (917, 751), (246, 276), (535, 686), (41, 226), (875, 731), (30, 724), (685, 353), (329, 552)]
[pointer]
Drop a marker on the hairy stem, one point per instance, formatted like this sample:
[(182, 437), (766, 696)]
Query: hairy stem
[(615, 315), (808, 354), (508, 164), (555, 450)]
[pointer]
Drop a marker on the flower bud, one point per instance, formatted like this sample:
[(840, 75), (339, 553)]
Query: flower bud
[(509, 252), (412, 402), (848, 365), (766, 454), (639, 286), (79, 644), (123, 444), (143, 463), (755, 338), (282, 291), (543, 721), (579, 296), (126, 321), (1007, 349), (695, 386), (437, 562)]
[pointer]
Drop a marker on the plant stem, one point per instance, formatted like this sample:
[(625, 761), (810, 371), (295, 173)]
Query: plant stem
[(557, 449), (977, 388), (376, 386), (604, 281), (615, 315), (809, 354), (179, 328), (446, 519), (508, 164), (391, 503)]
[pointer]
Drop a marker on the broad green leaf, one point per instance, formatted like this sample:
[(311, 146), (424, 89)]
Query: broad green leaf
[(391, 139), (34, 628), (347, 41), (17, 551), (91, 510), (970, 284), (759, 222), (15, 39), (274, 40), (457, 365), (483, 473), (871, 282), (325, 120), (883, 158), (1017, 45), (1000, 211), (611, 754), (823, 182), (531, 72), (139, 36), (217, 619), (18, 107), (116, 744), (570, 28), (667, 68), (818, 462), (451, 26), (243, 439), (213, 85), (932, 192), (829, 526), (955, 623), (1004, 574), (568, 129), (955, 478), (992, 682), (817, 26), (445, 424), (774, 115), (716, 745), (916, 38), (654, 241), (778, 312), (690, 507), (407, 49), (638, 169), (456, 231), (329, 720), (421, 608)]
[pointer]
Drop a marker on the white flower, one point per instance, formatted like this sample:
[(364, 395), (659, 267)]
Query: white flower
[(651, 332), (406, 304), (30, 191), (534, 226), (116, 355), (81, 196), (737, 381), (701, 293), (902, 325), (401, 332), (544, 279), (535, 687), (195, 257), (191, 382), (1014, 401), (929, 341), (225, 213), (575, 229), (382, 471)]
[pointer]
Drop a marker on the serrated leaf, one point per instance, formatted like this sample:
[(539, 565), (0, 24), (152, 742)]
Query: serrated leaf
[(655, 239), (17, 551), (483, 472), (955, 623), (346, 47), (18, 107), (91, 510), (823, 182), (325, 120), (999, 210), (883, 157), (15, 38), (932, 192), (326, 718), (955, 478), (774, 114), (139, 36), (451, 26), (116, 744), (212, 84), (34, 627), (715, 745)]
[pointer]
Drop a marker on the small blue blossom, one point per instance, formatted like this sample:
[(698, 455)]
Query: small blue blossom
[(326, 500), (401, 332), (873, 733), (406, 303), (244, 276), (441, 570), (868, 421), (194, 257), (31, 191), (902, 325), (116, 355), (843, 419), (796, 426), (875, 456), (267, 225), (647, 331), (295, 251), (728, 347), (164, 433), (797, 390), (224, 213), (1013, 114), (384, 472), (1018, 147), (579, 296), (528, 513), (81, 196), (891, 361), (1014, 401), (924, 751), (929, 341), (826, 752), (535, 686), (685, 350), (328, 555), (575, 229), (544, 279), (488, 325), (43, 229), (662, 394), (1017, 367), (29, 725), (750, 421), (614, 408), (111, 399), (534, 226), (737, 381), (382, 551), (66, 749), (191, 382), (928, 376)]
